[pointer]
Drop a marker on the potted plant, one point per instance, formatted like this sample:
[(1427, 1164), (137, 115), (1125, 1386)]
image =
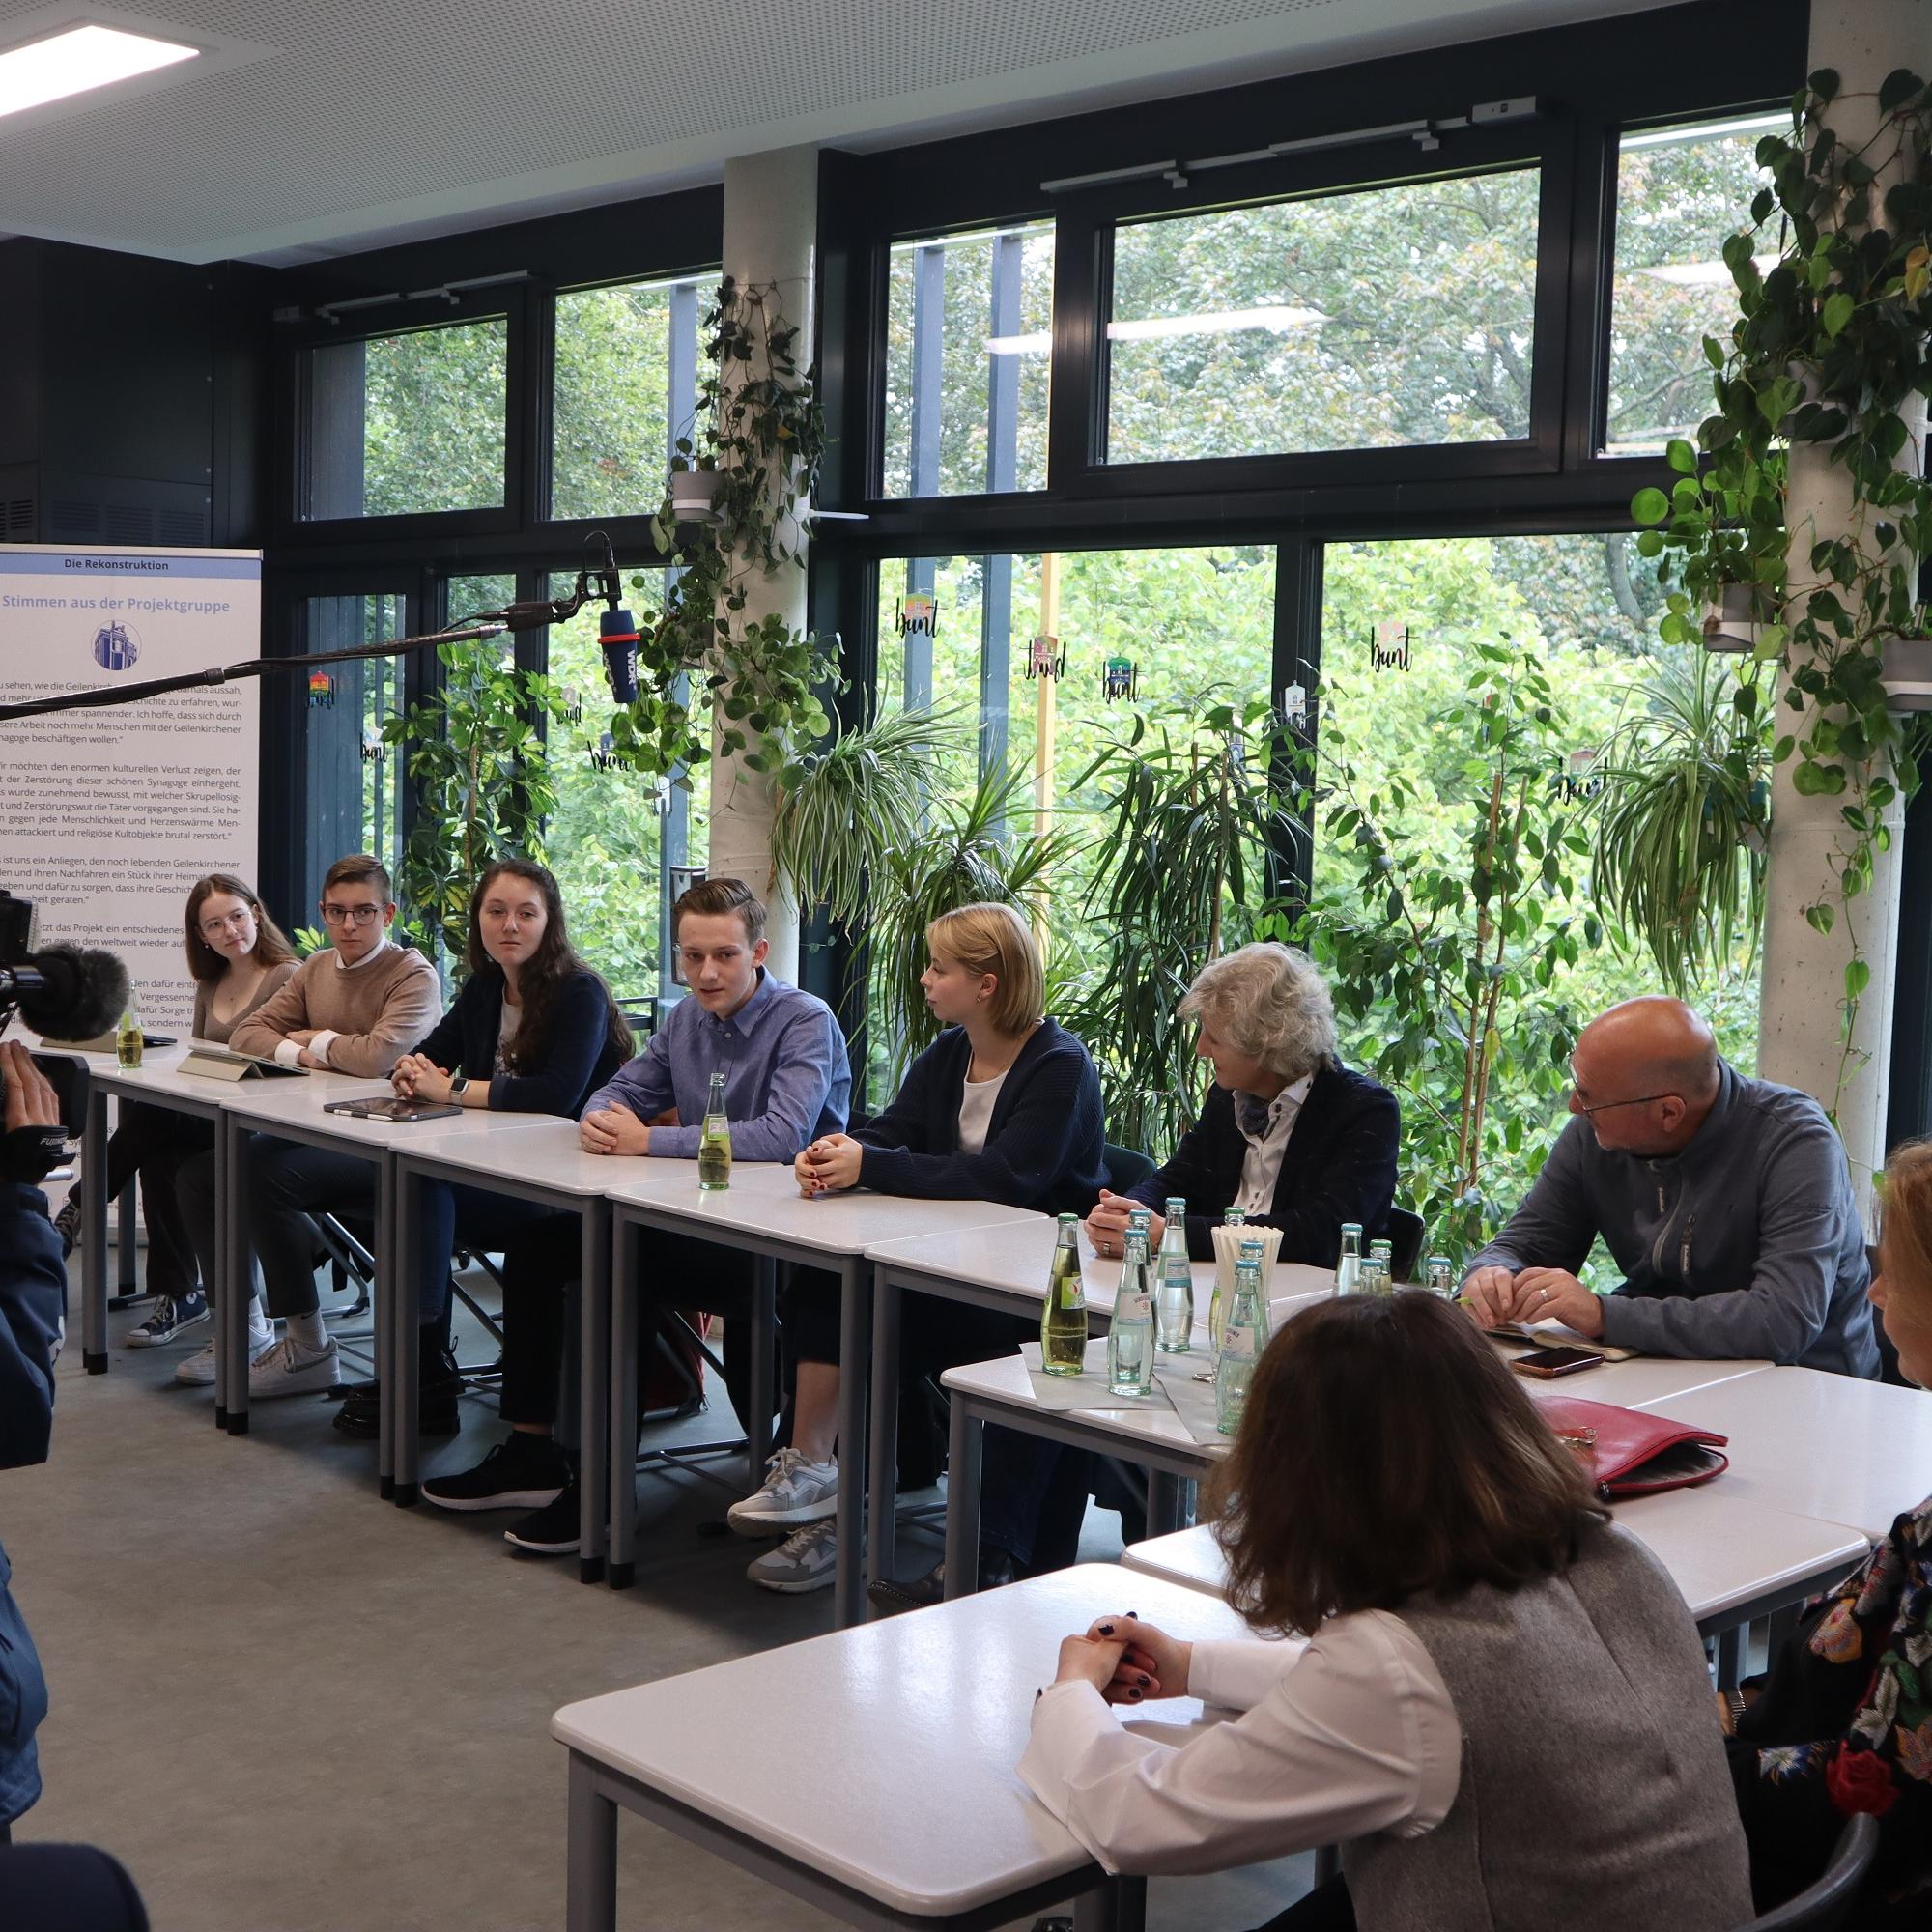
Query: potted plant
[(1908, 672)]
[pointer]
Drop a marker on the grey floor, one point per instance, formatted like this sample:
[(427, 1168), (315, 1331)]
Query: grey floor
[(286, 1707)]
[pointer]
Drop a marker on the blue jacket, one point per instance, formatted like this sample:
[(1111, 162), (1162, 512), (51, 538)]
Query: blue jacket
[(1339, 1165), (577, 1058), (32, 1296), (1045, 1142)]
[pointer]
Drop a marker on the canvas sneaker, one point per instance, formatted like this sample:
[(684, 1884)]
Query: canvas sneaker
[(528, 1473), (66, 1223), (795, 1491), (807, 1559), (170, 1317), (197, 1371), (553, 1530), (289, 1369)]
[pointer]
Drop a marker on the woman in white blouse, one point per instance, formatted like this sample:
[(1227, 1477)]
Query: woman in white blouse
[(1501, 1709)]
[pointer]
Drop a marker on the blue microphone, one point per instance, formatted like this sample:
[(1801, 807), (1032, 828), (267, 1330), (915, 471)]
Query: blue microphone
[(617, 639)]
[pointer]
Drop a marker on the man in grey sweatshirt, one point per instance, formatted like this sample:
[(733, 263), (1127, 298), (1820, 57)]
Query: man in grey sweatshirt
[(1727, 1203)]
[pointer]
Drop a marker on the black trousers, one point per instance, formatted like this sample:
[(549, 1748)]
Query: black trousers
[(152, 1142)]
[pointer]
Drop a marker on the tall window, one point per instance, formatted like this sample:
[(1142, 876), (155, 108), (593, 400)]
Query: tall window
[(1680, 192), (969, 342), (1384, 318), (625, 392), (408, 423)]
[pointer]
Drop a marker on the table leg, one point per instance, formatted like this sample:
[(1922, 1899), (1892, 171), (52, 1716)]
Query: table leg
[(758, 1424), (854, 1320), (882, 1520), (596, 1488), (94, 1234), (622, 1473), (1730, 1656), (1119, 1905), (591, 1904), (398, 1234), (1167, 1502), (966, 1435), (237, 1290)]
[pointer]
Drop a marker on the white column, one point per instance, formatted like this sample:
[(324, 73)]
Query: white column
[(1804, 983), (771, 228)]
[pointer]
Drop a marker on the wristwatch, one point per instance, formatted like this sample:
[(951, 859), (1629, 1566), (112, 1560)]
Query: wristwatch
[(458, 1081)]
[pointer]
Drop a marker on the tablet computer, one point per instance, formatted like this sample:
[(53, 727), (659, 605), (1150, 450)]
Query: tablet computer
[(392, 1110)]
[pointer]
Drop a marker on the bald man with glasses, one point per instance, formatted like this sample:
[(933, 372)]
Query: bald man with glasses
[(1726, 1203)]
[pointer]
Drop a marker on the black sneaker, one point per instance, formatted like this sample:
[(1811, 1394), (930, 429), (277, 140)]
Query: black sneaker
[(525, 1472), (555, 1529), (170, 1317), (438, 1413), (66, 1223)]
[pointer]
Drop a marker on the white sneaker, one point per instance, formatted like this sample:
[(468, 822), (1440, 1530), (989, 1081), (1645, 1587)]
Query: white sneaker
[(794, 1492), (198, 1370), (807, 1559), (290, 1368)]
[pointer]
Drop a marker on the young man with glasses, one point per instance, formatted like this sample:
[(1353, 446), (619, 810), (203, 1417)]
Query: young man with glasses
[(1726, 1203), (356, 1006)]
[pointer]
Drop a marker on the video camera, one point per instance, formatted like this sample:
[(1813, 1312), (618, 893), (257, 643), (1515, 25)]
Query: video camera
[(62, 992)]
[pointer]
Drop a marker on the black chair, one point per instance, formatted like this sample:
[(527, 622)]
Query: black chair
[(1826, 1905), (1406, 1234), (1126, 1168)]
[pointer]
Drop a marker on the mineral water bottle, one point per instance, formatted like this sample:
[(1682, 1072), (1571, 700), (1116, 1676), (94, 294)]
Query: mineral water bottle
[(1174, 1291), (1062, 1320), (1349, 1267), (714, 1141), (127, 1041), (1243, 1342), (1231, 1217), (1381, 1257), (1441, 1277), (1130, 1336)]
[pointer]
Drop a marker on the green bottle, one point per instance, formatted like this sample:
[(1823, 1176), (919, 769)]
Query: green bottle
[(714, 1142), (1062, 1317), (1242, 1342)]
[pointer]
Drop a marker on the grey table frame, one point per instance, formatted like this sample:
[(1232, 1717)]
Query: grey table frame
[(1101, 1904), (629, 1219), (594, 1327)]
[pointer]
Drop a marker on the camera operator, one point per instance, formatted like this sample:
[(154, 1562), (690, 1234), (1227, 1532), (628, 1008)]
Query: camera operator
[(33, 1298)]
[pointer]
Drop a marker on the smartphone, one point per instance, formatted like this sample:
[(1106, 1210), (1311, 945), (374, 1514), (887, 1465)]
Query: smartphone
[(1548, 1362)]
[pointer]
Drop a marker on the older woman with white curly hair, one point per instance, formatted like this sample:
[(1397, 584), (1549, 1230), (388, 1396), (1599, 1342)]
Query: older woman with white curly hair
[(1267, 1029)]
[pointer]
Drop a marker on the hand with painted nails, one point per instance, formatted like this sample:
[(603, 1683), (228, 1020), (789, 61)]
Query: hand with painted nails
[(1091, 1660), (1148, 1664)]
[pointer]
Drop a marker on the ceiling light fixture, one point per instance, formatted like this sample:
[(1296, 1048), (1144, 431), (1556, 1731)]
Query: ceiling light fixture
[(78, 59)]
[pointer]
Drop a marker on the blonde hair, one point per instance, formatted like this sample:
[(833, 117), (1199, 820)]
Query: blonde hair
[(1269, 1002), (995, 939), (1905, 1230)]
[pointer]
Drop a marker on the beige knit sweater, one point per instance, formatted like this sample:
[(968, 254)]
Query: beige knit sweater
[(376, 1011)]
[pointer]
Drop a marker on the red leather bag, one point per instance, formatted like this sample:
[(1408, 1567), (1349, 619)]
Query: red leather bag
[(1636, 1453)]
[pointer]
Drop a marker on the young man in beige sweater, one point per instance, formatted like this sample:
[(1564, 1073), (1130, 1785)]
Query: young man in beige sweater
[(355, 1008)]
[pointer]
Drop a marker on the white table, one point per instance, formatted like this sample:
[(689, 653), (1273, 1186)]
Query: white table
[(1637, 1384), (869, 1772), (1833, 1447), (533, 1157), (762, 1212), (1002, 1265)]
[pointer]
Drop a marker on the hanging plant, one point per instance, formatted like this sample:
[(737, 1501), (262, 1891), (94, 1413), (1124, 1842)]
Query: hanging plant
[(1828, 349), (760, 435)]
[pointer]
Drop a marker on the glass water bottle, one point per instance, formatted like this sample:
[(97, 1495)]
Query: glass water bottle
[(714, 1142), (1062, 1317)]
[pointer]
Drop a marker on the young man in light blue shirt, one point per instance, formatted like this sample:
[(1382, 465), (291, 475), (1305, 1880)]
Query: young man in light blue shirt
[(786, 1081)]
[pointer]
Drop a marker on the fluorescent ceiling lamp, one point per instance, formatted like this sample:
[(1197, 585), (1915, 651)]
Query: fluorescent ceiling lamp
[(1700, 274), (1277, 316), (1709, 130), (78, 60)]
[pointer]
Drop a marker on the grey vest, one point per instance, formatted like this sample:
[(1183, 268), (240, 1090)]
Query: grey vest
[(1594, 1793)]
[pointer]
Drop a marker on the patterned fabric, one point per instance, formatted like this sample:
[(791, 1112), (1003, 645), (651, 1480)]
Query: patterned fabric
[(1845, 1725)]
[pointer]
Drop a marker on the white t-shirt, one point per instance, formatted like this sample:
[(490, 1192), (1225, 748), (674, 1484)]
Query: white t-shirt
[(506, 1031), (976, 1101)]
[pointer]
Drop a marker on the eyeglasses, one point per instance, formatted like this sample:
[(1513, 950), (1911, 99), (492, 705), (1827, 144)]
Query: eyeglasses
[(1604, 1106), (214, 929), (341, 915)]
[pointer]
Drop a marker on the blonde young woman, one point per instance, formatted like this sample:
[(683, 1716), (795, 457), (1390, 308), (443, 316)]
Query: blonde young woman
[(1005, 1105), (239, 956)]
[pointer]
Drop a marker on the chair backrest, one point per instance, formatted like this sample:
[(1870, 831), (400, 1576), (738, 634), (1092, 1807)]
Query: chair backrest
[(1826, 1905), (1125, 1168), (1406, 1233)]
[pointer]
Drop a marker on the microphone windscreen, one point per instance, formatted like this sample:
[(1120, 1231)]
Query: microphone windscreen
[(86, 992)]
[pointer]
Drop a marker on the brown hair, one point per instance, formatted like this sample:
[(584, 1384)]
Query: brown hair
[(713, 899), (989, 938), (553, 962), (359, 868), (1384, 1453), (1905, 1230), (271, 945)]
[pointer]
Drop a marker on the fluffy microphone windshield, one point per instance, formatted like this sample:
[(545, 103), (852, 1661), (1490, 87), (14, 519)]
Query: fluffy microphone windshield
[(85, 993)]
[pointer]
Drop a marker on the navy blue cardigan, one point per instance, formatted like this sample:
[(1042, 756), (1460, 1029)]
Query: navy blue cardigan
[(1045, 1142), (578, 1057), (1339, 1165)]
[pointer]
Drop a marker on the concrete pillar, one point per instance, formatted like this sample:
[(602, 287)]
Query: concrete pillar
[(771, 227), (1803, 989)]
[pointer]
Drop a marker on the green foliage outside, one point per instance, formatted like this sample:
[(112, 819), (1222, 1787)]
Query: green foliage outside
[(434, 410)]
